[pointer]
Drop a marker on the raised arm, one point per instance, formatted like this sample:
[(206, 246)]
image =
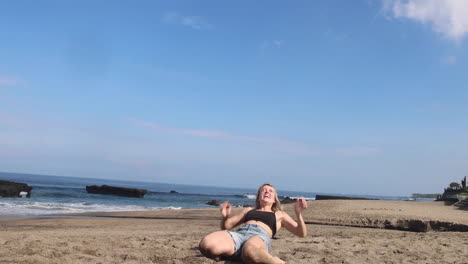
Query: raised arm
[(229, 221), (297, 228)]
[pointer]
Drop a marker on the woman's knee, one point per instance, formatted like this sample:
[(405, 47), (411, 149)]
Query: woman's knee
[(206, 246), (210, 248), (251, 251), (217, 244)]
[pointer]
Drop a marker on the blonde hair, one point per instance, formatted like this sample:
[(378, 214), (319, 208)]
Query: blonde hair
[(276, 205)]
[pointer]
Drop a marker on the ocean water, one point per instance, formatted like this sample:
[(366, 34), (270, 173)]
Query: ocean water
[(58, 195)]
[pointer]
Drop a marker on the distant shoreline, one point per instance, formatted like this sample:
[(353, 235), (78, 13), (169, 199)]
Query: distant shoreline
[(126, 183)]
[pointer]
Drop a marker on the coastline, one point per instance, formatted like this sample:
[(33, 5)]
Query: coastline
[(172, 236)]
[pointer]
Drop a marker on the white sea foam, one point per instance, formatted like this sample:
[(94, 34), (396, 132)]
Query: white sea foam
[(249, 196), (306, 198), (29, 208)]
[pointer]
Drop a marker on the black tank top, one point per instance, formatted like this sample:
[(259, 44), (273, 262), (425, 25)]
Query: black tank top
[(268, 218)]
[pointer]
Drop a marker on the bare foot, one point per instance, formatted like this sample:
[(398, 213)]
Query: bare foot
[(279, 261)]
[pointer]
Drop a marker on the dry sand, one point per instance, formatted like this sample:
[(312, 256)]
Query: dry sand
[(173, 236)]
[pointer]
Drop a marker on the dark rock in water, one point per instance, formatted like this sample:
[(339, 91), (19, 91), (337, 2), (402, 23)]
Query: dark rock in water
[(13, 189), (213, 202), (288, 200), (173, 191), (333, 197), (121, 191)]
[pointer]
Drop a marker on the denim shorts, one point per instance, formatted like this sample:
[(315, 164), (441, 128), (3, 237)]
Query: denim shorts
[(247, 231)]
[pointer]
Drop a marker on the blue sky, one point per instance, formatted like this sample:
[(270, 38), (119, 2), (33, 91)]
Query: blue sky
[(365, 96)]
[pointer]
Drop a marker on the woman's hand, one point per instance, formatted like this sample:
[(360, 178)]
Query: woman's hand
[(301, 205), (297, 228), (225, 209)]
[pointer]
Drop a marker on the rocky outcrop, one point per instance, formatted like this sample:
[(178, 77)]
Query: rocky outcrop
[(332, 197), (288, 200), (213, 202), (13, 189), (412, 225), (113, 190), (450, 195)]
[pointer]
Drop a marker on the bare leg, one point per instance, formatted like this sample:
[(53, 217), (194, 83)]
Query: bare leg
[(217, 245), (255, 252)]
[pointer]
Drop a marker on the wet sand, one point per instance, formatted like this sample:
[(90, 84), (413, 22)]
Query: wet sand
[(338, 232)]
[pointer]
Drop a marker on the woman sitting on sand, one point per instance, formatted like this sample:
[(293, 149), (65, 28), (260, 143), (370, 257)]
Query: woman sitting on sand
[(252, 241)]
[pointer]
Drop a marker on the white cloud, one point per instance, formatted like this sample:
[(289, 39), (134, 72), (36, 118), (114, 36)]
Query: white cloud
[(271, 44), (278, 43), (358, 151), (336, 35), (283, 145), (449, 60), (194, 22), (16, 121), (8, 81), (447, 17), (433, 108), (132, 163)]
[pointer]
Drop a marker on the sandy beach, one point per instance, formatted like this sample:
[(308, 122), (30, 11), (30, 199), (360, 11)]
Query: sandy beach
[(339, 231)]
